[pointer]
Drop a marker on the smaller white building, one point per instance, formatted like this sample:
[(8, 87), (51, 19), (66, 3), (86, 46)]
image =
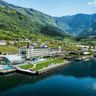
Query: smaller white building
[(86, 53), (11, 42), (3, 42), (11, 59)]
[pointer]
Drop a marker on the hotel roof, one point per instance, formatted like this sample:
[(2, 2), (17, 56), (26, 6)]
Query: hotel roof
[(13, 58)]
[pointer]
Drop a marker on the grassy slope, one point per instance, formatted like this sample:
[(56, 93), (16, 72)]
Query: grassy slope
[(8, 49), (18, 25)]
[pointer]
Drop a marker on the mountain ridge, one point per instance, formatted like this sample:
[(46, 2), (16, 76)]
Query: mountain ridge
[(76, 25), (28, 20)]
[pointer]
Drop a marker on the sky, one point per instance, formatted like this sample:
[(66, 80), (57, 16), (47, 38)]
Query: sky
[(58, 7)]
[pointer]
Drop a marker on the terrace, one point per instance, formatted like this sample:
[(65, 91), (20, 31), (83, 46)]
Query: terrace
[(43, 64)]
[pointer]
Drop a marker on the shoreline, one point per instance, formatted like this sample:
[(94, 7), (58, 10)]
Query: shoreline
[(52, 68), (43, 71), (46, 69)]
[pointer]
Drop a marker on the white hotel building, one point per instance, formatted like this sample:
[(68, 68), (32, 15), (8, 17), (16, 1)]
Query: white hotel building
[(30, 51)]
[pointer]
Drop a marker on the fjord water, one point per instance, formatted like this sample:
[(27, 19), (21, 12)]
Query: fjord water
[(74, 79)]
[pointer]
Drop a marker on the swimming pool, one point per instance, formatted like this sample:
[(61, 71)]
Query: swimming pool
[(38, 60), (7, 67)]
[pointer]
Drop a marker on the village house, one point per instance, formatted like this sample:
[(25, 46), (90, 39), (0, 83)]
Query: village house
[(3, 42), (84, 47), (26, 40)]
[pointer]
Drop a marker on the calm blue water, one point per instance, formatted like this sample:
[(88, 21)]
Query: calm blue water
[(75, 79)]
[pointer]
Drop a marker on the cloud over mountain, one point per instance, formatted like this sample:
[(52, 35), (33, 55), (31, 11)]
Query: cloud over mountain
[(93, 3)]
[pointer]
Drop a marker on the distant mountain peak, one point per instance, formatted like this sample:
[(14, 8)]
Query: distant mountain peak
[(2, 1)]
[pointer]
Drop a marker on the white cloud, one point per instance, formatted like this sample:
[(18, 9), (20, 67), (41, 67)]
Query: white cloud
[(93, 3)]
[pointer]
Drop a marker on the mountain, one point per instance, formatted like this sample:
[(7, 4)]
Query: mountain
[(21, 21), (76, 24), (91, 31)]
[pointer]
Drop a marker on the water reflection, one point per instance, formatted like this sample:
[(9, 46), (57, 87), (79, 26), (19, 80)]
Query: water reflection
[(80, 69), (77, 78)]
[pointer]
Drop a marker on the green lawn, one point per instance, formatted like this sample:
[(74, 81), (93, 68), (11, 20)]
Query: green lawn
[(26, 66), (43, 64), (50, 61)]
